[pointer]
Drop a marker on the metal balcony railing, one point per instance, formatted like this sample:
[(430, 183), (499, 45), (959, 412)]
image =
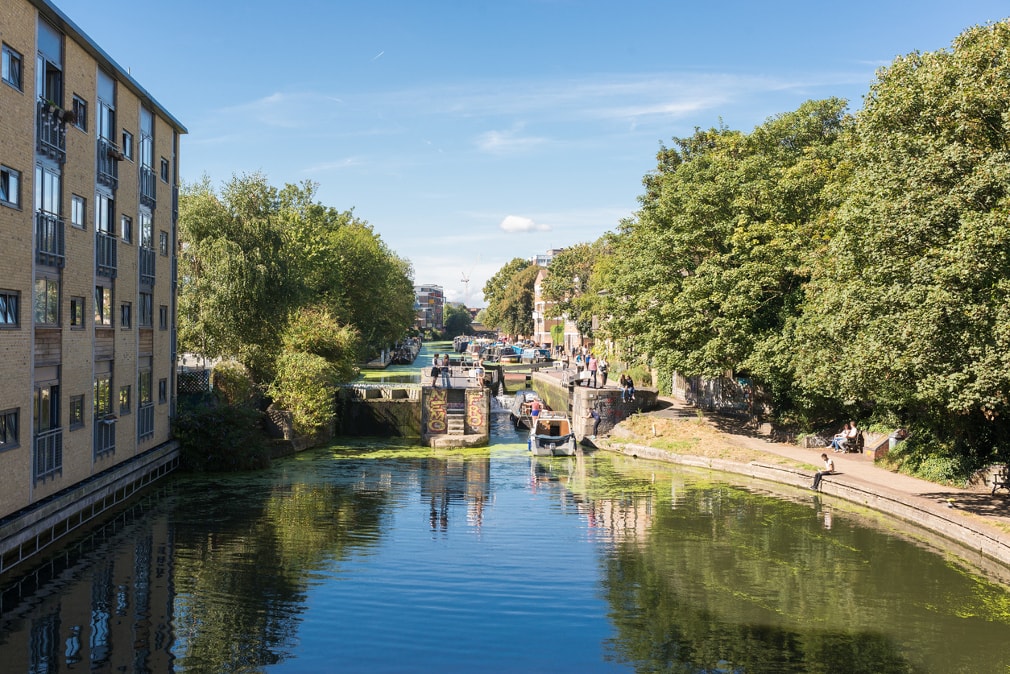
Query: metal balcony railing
[(145, 422), (50, 245), (147, 266), (52, 131), (109, 157), (105, 255), (148, 186), (105, 435), (48, 459)]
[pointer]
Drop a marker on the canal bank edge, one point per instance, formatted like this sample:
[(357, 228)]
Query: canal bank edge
[(971, 532)]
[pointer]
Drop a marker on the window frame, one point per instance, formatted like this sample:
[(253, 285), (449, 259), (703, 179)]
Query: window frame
[(10, 196), (145, 310), (51, 306), (127, 144), (75, 412), (125, 400), (125, 228), (165, 171), (78, 211), (125, 316), (80, 108), (163, 243), (78, 304), (103, 318), (162, 391), (163, 317), (7, 296), (10, 56), (10, 419)]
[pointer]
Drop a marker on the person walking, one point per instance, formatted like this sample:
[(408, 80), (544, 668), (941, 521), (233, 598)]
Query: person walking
[(436, 368), (829, 468), (592, 365), (603, 367)]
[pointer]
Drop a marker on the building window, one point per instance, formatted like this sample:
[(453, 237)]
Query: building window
[(163, 243), (80, 113), (105, 212), (103, 306), (103, 395), (76, 412), (124, 399), (77, 313), (12, 68), (162, 391), (8, 429), (146, 310), (47, 407), (10, 187), (126, 316), (126, 228), (163, 317), (164, 169), (78, 211), (127, 144), (47, 301), (144, 380), (9, 309)]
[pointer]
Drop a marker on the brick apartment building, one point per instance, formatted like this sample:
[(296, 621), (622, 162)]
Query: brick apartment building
[(88, 196)]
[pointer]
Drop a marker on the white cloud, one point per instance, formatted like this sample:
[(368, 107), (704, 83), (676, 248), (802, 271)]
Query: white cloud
[(502, 142), (516, 223)]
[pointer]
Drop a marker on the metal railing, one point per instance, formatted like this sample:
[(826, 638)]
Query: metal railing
[(147, 266), (50, 245), (52, 131), (148, 186), (106, 261), (48, 459), (105, 435), (145, 421), (108, 163)]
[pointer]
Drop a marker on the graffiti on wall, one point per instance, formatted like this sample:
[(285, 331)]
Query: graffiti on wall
[(476, 410), (436, 410)]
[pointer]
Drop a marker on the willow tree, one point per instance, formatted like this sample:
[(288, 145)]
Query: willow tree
[(911, 311), (235, 285)]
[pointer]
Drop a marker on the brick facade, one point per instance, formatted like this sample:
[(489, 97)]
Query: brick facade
[(61, 357)]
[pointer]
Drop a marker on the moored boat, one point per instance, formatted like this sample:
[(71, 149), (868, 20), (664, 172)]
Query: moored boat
[(521, 409), (551, 435)]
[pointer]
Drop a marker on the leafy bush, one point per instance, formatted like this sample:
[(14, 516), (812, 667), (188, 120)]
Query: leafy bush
[(219, 437), (233, 383), (305, 386)]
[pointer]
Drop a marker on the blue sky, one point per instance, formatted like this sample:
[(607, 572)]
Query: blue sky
[(469, 133)]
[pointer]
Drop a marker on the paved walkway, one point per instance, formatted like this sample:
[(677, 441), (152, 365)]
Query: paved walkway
[(974, 517)]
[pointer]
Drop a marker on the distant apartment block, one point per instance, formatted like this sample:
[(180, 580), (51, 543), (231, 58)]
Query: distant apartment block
[(429, 304), (88, 205), (544, 259)]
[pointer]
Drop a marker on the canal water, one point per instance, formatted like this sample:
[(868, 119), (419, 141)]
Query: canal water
[(376, 557)]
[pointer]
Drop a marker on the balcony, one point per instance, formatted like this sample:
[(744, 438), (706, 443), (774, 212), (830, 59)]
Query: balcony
[(50, 246), (48, 459), (105, 435), (148, 186), (109, 157), (51, 123), (147, 266), (105, 255), (145, 422)]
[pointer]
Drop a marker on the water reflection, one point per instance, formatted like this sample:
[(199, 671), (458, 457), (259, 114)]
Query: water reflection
[(364, 558)]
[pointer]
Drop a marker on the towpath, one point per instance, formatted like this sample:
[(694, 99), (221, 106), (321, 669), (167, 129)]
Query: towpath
[(974, 517)]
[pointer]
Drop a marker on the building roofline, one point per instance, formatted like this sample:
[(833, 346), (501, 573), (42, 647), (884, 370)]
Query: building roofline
[(56, 16)]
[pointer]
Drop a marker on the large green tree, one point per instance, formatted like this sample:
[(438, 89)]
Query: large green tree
[(235, 280), (712, 267), (497, 293), (910, 312)]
